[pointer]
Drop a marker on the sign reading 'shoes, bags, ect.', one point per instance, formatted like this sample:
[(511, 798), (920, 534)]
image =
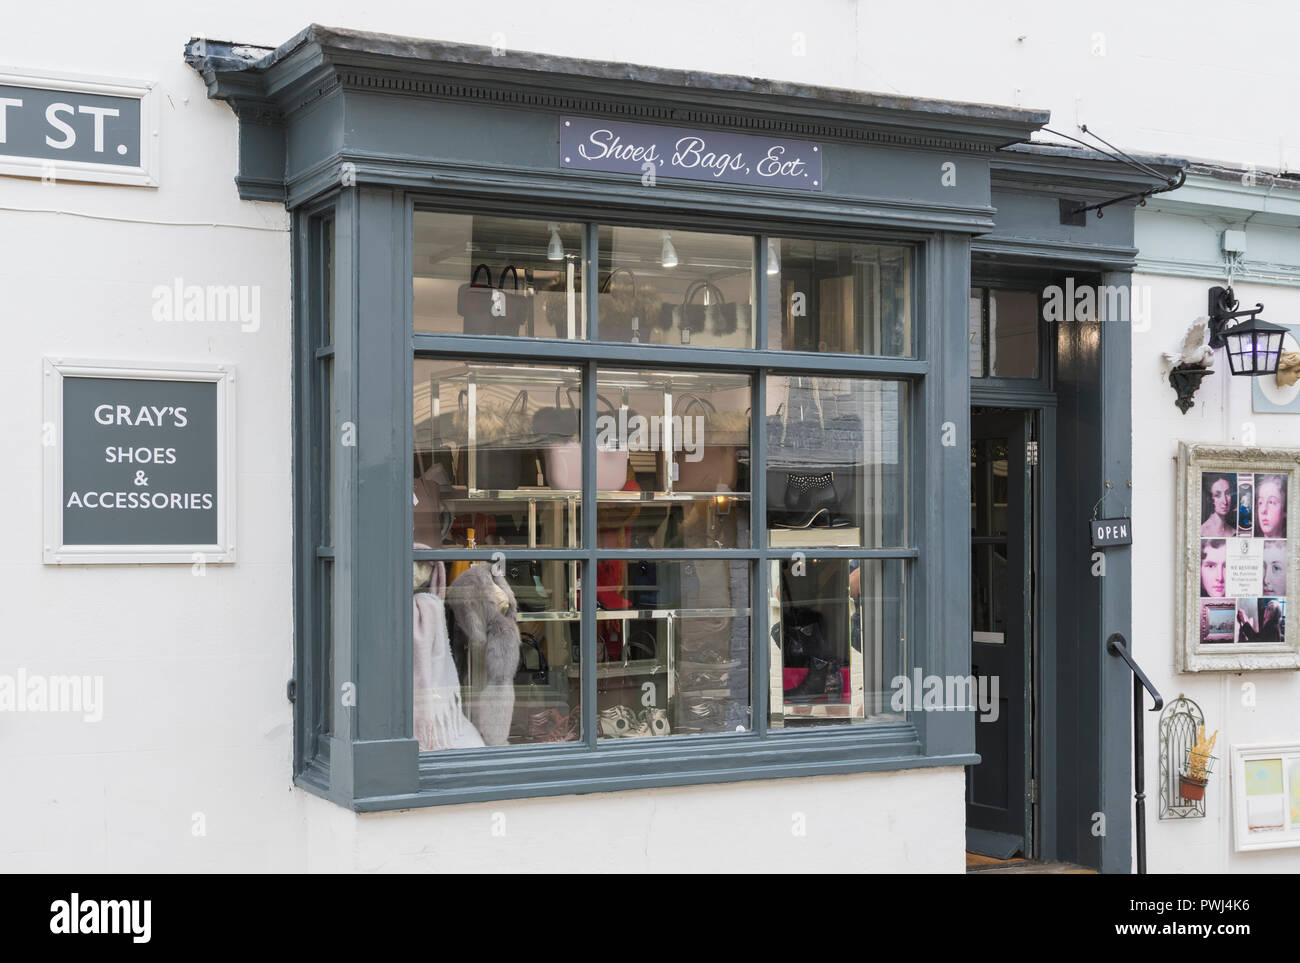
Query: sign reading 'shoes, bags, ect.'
[(139, 463), (651, 152)]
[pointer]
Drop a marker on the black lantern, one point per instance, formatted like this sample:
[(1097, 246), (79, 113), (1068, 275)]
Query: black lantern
[(1254, 346)]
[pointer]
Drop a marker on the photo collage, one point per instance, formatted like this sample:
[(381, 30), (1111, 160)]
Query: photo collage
[(1243, 558)]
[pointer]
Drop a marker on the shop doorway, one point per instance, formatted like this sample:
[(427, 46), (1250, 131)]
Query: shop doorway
[(1000, 791)]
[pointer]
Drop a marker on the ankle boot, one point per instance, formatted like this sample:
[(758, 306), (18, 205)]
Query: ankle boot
[(814, 684)]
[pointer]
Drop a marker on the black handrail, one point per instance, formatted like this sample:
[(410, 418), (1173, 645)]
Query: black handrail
[(1117, 645)]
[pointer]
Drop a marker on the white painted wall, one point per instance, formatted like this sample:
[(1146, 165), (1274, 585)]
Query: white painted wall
[(195, 718), (1221, 412)]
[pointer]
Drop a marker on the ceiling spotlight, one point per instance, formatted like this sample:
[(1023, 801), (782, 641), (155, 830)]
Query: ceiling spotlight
[(554, 250), (668, 258), (773, 257)]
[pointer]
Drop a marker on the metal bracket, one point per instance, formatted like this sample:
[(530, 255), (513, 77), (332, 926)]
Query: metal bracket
[(1072, 214)]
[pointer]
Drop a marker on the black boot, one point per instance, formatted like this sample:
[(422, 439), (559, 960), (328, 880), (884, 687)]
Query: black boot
[(813, 686)]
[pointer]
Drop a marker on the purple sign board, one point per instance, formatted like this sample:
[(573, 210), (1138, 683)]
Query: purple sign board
[(649, 151)]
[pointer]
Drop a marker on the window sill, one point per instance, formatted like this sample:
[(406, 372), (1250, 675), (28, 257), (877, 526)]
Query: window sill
[(530, 771)]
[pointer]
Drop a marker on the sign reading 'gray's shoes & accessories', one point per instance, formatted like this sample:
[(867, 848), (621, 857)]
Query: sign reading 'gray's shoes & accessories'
[(139, 463), (650, 151)]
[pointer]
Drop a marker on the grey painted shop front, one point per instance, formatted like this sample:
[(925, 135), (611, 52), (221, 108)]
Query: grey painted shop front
[(378, 143)]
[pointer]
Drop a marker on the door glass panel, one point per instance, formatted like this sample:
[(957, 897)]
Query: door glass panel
[(988, 486), (1013, 334), (988, 584)]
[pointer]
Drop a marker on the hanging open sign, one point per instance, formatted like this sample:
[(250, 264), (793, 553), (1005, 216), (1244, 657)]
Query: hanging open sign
[(1106, 532)]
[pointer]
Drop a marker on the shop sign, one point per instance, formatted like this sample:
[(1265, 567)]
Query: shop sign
[(139, 463), (70, 128), (650, 152), (1107, 532)]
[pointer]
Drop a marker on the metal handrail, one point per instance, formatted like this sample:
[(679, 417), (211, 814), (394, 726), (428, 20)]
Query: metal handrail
[(1117, 645)]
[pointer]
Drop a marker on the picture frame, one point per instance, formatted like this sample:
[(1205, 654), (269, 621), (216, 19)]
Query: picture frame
[(1265, 796), (1240, 558)]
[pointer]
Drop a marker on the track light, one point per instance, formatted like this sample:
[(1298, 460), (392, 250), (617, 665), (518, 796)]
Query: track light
[(554, 250), (773, 257)]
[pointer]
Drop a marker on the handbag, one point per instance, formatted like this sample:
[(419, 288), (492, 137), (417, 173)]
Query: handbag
[(526, 674), (624, 309), (489, 309), (525, 579), (714, 313), (717, 466), (501, 461), (432, 518), (564, 458)]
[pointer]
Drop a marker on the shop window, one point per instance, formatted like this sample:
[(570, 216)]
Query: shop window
[(590, 523), (498, 276), (831, 296), (676, 287)]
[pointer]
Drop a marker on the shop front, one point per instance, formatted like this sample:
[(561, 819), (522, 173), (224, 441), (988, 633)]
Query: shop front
[(656, 429)]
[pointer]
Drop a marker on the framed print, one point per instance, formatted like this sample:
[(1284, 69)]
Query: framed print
[(1266, 796), (1240, 558)]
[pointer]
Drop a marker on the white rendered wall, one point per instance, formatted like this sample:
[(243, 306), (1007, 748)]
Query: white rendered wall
[(195, 718), (1220, 416)]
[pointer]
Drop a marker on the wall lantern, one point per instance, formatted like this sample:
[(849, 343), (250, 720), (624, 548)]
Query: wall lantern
[(1254, 346)]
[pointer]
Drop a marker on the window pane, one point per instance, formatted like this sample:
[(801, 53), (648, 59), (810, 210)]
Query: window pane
[(975, 332), (836, 462), (497, 457), (496, 653), (837, 640), (678, 663), (847, 298), (1013, 334), (498, 276), (676, 287), (698, 497)]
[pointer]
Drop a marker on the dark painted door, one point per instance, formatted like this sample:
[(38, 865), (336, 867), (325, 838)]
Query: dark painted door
[(997, 803)]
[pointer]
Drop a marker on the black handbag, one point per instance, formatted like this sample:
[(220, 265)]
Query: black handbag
[(525, 579), (493, 310), (502, 463), (530, 675), (625, 310), (714, 313)]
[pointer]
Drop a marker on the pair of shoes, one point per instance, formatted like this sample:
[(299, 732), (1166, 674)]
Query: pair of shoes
[(709, 678), (822, 518), (551, 725), (619, 722)]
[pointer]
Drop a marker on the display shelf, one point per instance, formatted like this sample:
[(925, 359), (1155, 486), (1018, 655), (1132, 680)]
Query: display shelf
[(457, 493), (814, 537)]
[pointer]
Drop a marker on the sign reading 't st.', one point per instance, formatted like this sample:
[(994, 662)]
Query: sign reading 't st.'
[(63, 129)]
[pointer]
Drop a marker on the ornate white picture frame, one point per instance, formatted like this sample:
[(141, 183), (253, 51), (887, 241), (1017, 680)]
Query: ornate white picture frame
[(1240, 558)]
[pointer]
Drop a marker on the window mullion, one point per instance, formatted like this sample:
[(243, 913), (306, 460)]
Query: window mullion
[(588, 645), (758, 527)]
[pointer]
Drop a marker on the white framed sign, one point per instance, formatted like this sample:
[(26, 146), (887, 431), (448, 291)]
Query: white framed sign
[(1266, 796), (139, 462), (1239, 564), (71, 127)]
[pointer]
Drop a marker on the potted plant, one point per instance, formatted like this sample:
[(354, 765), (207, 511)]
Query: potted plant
[(1200, 763)]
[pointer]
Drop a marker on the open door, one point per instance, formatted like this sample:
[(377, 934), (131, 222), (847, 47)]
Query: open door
[(998, 797)]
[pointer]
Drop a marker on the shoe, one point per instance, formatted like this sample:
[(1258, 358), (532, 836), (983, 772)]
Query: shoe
[(656, 721), (813, 686), (617, 722)]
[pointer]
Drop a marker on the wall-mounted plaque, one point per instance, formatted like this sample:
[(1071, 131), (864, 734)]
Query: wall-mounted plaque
[(139, 463), (62, 127)]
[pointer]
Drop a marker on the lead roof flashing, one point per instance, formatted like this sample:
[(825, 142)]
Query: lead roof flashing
[(318, 58)]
